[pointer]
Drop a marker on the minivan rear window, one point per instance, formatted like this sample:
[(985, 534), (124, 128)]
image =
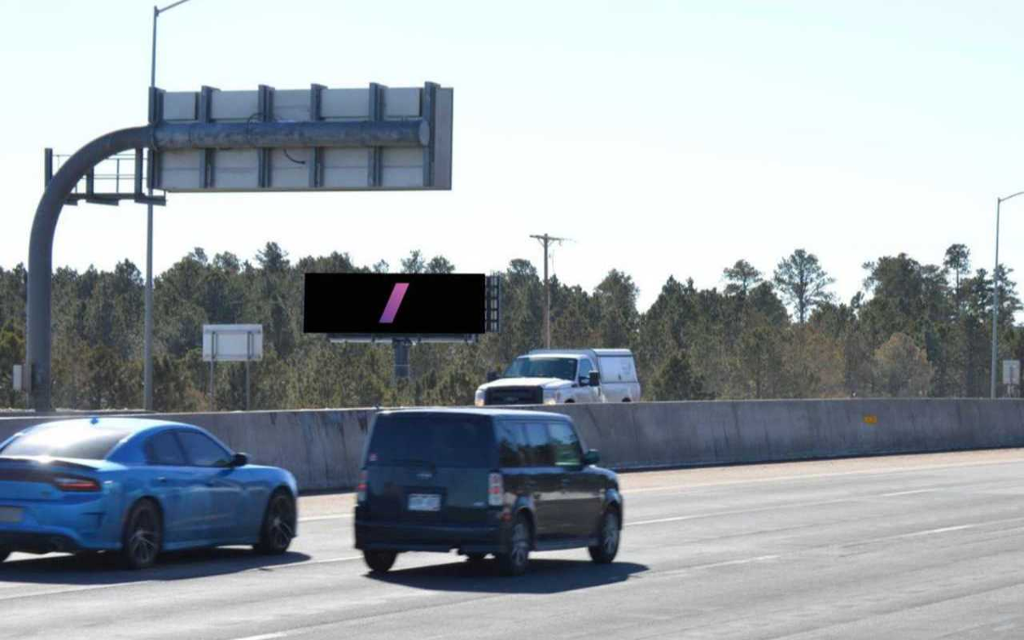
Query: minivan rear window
[(440, 440)]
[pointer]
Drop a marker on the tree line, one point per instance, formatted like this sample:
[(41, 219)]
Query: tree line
[(913, 330)]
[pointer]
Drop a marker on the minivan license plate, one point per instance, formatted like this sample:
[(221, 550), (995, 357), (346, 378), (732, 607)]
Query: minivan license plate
[(11, 514), (424, 502)]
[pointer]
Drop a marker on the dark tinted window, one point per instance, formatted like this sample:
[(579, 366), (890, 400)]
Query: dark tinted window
[(79, 441), (442, 440), (538, 446), (162, 449), (510, 444), (565, 444), (201, 451)]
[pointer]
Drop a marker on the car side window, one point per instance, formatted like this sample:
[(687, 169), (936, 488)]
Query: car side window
[(586, 366), (566, 445), (162, 449), (538, 446), (201, 451), (510, 444)]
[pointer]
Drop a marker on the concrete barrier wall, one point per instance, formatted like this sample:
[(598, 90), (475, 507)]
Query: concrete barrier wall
[(323, 447)]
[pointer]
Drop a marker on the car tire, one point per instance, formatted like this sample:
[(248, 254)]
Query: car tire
[(143, 536), (379, 561), (476, 558), (609, 534), (515, 561), (278, 528)]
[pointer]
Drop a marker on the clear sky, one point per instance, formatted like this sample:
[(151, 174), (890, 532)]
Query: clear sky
[(664, 138)]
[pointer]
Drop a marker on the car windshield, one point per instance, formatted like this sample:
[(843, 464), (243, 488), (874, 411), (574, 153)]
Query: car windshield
[(432, 440), (86, 442), (562, 368)]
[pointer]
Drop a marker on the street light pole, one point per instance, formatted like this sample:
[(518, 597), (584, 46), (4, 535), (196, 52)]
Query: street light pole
[(147, 349), (995, 295)]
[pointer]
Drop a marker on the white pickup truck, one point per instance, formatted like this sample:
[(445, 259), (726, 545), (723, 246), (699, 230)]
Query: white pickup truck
[(563, 376)]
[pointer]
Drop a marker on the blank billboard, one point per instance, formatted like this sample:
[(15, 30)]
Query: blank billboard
[(395, 304)]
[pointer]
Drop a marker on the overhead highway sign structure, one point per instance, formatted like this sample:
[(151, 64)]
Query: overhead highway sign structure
[(374, 138), (377, 138)]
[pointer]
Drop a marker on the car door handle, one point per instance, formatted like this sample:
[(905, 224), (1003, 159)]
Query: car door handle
[(161, 480)]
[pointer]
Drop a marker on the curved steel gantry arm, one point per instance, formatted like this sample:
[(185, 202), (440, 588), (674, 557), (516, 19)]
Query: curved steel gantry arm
[(40, 250), (203, 135)]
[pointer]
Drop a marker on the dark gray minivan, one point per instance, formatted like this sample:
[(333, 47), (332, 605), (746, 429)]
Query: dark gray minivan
[(483, 481)]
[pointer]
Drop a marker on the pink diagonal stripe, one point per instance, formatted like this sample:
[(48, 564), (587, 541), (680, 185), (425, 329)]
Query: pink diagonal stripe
[(394, 302)]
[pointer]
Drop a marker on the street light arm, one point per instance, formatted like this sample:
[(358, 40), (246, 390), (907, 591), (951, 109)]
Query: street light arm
[(169, 7), (1019, 193)]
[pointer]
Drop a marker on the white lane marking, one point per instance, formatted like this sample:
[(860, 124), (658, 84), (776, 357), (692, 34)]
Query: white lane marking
[(907, 493), (929, 532), (337, 516), (56, 592), (811, 476), (727, 563), (324, 561), (734, 512), (266, 636)]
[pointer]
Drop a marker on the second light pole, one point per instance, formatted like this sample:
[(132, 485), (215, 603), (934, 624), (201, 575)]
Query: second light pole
[(147, 348), (995, 295)]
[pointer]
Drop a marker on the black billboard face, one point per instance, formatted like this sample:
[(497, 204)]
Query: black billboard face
[(395, 304)]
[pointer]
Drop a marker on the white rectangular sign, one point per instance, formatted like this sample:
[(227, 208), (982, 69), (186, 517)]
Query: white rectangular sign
[(1011, 372), (232, 342)]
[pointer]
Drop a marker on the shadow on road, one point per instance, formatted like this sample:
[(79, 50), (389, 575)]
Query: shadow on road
[(103, 568), (542, 577)]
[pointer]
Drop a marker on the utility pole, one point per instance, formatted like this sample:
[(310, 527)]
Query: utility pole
[(545, 241)]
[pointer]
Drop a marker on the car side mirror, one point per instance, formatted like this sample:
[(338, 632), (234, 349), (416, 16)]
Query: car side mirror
[(595, 378), (492, 376), (240, 460), (591, 457)]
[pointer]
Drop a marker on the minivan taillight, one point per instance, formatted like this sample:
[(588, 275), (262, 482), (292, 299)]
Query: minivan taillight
[(361, 487), (70, 483), (495, 490)]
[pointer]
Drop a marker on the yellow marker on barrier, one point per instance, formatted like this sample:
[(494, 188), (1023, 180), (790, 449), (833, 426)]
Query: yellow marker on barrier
[(870, 418)]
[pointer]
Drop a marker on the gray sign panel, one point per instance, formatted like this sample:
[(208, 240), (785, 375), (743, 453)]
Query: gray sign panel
[(1011, 372), (412, 128)]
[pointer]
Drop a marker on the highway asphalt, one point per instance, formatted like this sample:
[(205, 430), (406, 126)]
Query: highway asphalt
[(928, 546)]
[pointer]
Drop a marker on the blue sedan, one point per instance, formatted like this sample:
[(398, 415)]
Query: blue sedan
[(137, 487)]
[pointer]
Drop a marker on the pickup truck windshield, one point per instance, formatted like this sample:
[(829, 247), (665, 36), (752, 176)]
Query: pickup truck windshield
[(562, 368)]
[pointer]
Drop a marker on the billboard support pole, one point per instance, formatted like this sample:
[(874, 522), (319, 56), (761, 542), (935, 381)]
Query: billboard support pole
[(248, 350)]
